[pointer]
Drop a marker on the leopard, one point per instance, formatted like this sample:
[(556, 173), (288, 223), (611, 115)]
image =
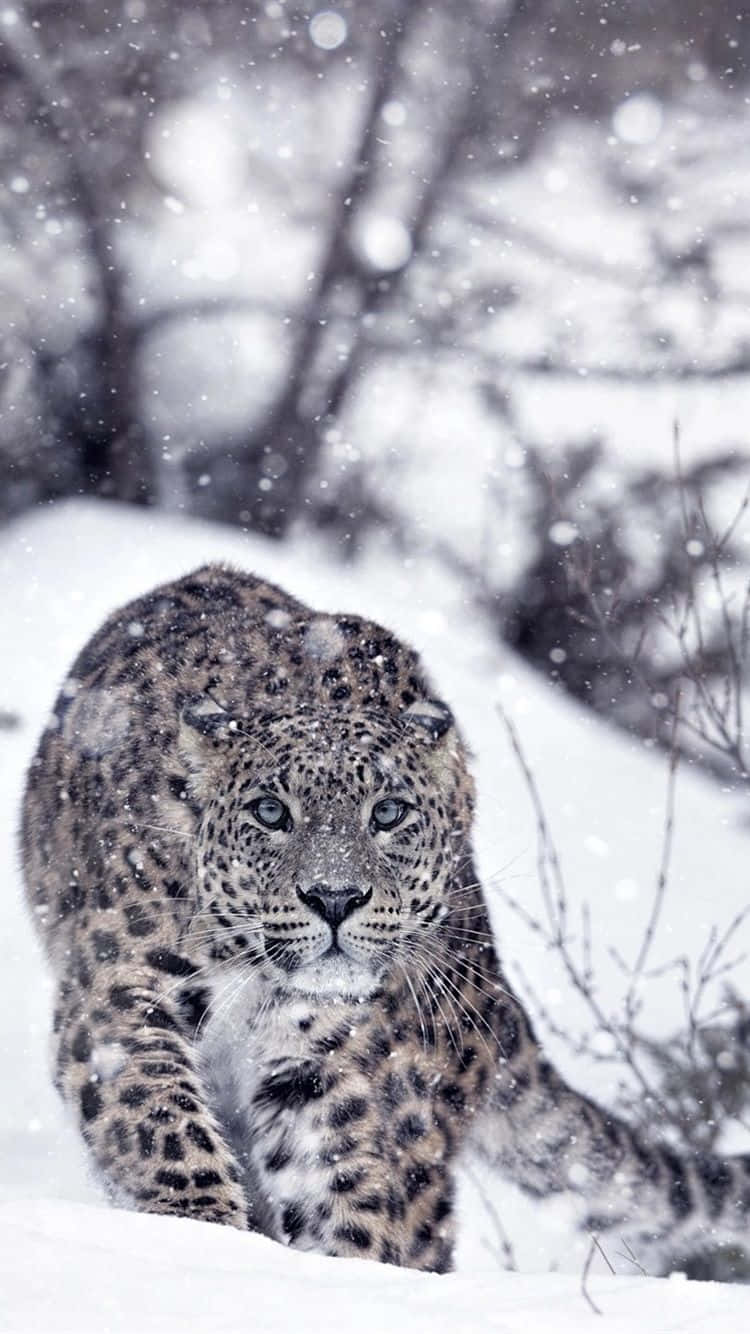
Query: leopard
[(247, 843)]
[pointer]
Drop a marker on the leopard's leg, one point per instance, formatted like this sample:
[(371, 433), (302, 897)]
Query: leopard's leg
[(126, 1067), (356, 1165)]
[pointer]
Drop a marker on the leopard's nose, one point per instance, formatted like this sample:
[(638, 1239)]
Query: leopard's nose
[(334, 905)]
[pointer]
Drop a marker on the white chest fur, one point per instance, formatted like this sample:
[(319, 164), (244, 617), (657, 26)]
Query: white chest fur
[(246, 1043), (245, 1037)]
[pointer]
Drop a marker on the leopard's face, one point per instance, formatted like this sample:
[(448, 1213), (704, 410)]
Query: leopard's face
[(327, 847)]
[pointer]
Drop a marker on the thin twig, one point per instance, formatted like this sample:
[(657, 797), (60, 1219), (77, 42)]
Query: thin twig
[(504, 1250), (584, 1277), (557, 914), (631, 1256), (603, 1253), (663, 875)]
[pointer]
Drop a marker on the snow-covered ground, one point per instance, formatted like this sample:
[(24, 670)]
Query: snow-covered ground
[(73, 1268), (66, 1262)]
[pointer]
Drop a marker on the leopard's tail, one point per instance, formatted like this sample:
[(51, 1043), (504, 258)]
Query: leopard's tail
[(549, 1138)]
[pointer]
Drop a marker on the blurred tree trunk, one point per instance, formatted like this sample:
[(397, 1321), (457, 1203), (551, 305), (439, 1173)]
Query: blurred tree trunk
[(115, 456), (247, 483), (246, 490), (101, 421)]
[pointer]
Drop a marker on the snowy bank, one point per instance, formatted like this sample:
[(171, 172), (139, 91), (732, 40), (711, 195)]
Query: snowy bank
[(61, 572), (66, 1267)]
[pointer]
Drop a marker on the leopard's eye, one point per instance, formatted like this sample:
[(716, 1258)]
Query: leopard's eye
[(271, 813), (388, 813)]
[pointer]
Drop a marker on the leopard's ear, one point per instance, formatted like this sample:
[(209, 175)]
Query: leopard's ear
[(204, 729), (431, 716)]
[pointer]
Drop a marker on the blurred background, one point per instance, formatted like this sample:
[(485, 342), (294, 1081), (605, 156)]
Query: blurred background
[(462, 283), (455, 277)]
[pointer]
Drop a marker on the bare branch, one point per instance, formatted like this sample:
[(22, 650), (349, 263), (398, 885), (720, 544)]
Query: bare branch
[(504, 1247), (632, 1257), (557, 913), (585, 1276), (662, 877)]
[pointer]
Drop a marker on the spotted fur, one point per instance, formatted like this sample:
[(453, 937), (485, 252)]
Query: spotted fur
[(297, 1026)]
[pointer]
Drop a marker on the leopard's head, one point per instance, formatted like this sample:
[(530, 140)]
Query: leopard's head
[(329, 842)]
